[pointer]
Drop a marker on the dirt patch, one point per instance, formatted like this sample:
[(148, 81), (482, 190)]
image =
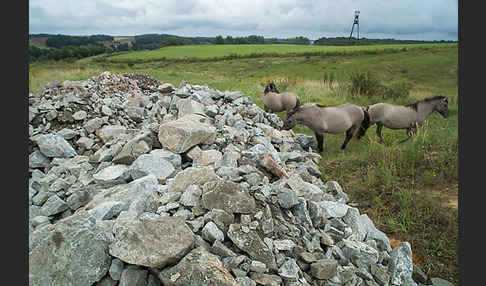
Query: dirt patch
[(446, 196)]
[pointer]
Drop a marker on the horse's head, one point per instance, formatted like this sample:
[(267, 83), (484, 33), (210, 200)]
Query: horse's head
[(442, 106), (270, 88), (290, 120)]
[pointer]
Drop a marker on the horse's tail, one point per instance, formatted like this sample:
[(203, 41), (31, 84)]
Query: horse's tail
[(365, 124), (297, 102)]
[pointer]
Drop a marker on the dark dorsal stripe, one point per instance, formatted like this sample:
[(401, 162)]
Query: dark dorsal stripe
[(414, 105), (320, 105)]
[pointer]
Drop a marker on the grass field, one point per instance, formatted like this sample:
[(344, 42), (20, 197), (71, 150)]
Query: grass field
[(408, 190), (220, 51)]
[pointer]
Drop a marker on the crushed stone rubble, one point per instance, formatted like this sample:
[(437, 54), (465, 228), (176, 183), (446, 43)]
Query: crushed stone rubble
[(133, 181)]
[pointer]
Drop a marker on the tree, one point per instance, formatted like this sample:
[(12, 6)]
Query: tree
[(228, 40), (218, 40)]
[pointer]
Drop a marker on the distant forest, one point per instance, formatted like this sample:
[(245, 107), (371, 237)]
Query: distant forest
[(57, 47)]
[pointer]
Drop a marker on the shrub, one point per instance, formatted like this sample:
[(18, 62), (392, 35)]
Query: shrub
[(365, 83), (398, 90)]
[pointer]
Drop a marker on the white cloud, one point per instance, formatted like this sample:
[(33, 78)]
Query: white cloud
[(434, 19)]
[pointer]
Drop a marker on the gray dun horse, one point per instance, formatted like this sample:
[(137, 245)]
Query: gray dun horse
[(328, 119), (403, 116), (275, 102)]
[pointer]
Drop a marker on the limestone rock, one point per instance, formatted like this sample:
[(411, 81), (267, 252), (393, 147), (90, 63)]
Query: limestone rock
[(180, 135), (199, 267), (324, 268), (151, 243), (227, 196), (54, 146), (400, 265), (74, 251), (251, 243), (150, 164)]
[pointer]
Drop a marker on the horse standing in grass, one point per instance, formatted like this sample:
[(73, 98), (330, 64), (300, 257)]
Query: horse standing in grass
[(275, 102), (328, 119), (403, 116)]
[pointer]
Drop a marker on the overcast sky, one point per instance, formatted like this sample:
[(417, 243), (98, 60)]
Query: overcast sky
[(399, 19)]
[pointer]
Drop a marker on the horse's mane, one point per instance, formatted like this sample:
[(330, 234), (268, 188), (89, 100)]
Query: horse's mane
[(271, 87), (414, 105), (299, 107)]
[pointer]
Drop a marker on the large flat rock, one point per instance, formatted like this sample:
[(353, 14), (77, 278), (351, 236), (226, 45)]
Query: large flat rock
[(227, 196), (180, 135), (152, 243), (74, 251)]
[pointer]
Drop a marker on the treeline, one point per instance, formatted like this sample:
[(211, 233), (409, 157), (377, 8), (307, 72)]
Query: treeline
[(60, 41), (346, 41), (71, 52), (254, 39), (155, 41)]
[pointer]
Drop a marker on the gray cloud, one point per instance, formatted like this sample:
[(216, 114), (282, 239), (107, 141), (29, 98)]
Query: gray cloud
[(412, 19)]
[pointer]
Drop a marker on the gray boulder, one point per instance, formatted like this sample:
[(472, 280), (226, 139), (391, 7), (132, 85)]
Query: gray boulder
[(151, 164), (54, 205), (54, 146), (112, 175), (324, 268), (180, 135), (116, 269), (187, 106), (151, 243), (250, 242), (211, 232), (74, 251), (199, 267), (400, 266), (38, 160), (133, 277), (191, 176), (144, 187), (289, 270), (227, 196), (109, 132), (140, 144)]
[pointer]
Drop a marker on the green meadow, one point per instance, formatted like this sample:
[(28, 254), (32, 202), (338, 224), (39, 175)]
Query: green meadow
[(200, 52), (409, 190)]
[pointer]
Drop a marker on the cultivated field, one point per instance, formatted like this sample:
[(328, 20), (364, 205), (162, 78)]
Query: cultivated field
[(222, 51), (408, 190)]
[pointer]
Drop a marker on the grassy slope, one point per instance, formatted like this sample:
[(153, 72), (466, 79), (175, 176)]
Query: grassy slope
[(217, 51), (401, 187)]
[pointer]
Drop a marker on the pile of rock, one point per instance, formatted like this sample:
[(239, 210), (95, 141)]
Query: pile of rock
[(135, 182)]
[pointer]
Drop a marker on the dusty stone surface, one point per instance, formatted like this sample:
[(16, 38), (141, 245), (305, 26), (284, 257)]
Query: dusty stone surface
[(70, 252), (151, 243)]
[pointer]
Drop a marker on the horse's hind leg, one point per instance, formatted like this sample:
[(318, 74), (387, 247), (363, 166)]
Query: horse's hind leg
[(379, 126), (320, 139), (349, 135), (410, 132)]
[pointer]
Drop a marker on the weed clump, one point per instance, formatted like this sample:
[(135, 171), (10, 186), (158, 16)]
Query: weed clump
[(366, 83)]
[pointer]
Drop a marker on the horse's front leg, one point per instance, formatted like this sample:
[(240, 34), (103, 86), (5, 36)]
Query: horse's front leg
[(349, 135), (379, 126), (320, 139)]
